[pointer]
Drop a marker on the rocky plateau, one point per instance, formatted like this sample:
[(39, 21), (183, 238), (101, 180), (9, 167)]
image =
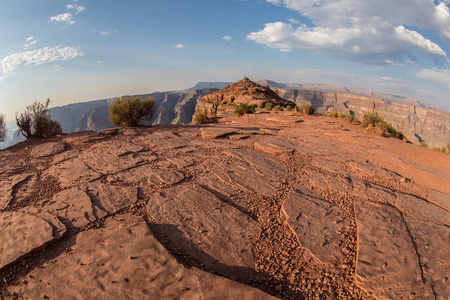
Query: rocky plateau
[(270, 205)]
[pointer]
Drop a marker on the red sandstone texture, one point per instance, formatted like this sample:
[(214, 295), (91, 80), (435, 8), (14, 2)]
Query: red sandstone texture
[(273, 204)]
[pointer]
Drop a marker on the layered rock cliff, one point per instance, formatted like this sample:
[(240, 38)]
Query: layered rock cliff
[(416, 122)]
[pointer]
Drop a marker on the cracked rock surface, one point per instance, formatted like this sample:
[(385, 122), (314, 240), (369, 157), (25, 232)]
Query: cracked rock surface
[(269, 205)]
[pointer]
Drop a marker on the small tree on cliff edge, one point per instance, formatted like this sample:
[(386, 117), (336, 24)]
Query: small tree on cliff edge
[(36, 121), (131, 111), (2, 128)]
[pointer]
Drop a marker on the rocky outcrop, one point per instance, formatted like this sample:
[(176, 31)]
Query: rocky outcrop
[(276, 204), (245, 92)]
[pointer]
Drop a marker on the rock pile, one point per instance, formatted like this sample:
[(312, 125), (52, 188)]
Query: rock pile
[(244, 91)]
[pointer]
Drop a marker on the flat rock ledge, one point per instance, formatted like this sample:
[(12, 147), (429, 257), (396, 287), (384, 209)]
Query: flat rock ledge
[(259, 207)]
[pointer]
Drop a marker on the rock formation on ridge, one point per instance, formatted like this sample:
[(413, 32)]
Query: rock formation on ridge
[(273, 204), (244, 91)]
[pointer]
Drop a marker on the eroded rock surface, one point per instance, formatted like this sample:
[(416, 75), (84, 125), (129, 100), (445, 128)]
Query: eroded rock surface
[(271, 204)]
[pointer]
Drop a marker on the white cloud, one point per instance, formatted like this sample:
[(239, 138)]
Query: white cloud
[(67, 17), (179, 46), (30, 41), (38, 57), (102, 32), (227, 38), (372, 32), (440, 76), (77, 8)]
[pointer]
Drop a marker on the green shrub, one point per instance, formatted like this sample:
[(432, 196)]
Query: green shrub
[(423, 144), (2, 128), (375, 124), (350, 118), (263, 105), (269, 105), (36, 121), (371, 118), (441, 149), (307, 109), (201, 118), (279, 108), (340, 115), (245, 109), (289, 108), (131, 111)]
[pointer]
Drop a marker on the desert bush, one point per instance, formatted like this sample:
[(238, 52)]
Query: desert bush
[(332, 114), (441, 149), (201, 118), (131, 111), (288, 108), (269, 105), (423, 144), (307, 109), (2, 128), (262, 105), (36, 121), (350, 118), (245, 109), (278, 108), (375, 124), (340, 115)]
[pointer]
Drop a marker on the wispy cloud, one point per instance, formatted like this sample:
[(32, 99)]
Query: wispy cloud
[(68, 17), (227, 38), (30, 41), (440, 76), (38, 57), (372, 32), (102, 32), (179, 46)]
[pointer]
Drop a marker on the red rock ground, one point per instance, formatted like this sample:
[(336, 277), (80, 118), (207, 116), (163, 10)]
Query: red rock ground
[(274, 204)]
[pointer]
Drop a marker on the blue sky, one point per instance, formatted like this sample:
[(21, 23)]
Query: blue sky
[(73, 51)]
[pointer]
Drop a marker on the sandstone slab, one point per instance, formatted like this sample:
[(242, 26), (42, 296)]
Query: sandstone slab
[(249, 181), (167, 139), (73, 206), (257, 163), (7, 185), (205, 228), (388, 264), (275, 145), (22, 233), (72, 172), (317, 224), (105, 160), (47, 149), (110, 199), (124, 260)]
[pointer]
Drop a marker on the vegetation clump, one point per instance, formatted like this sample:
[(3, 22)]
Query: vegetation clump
[(375, 124), (269, 105), (245, 109), (423, 144), (441, 149), (351, 118), (279, 108), (2, 128), (131, 111), (36, 121), (307, 109), (202, 118)]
